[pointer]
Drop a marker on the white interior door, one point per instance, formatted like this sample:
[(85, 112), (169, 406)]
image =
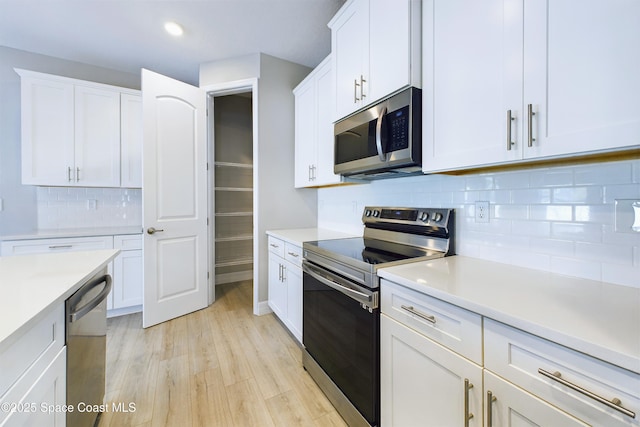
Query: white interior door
[(174, 198)]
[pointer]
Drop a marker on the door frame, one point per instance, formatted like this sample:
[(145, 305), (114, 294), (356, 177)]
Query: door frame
[(212, 91)]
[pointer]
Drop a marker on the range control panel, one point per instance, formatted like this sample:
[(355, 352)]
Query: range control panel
[(409, 216)]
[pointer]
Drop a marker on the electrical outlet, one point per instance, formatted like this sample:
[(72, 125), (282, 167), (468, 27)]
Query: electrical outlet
[(92, 204), (482, 211)]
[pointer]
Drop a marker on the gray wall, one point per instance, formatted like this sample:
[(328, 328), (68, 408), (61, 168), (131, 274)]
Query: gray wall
[(20, 212)]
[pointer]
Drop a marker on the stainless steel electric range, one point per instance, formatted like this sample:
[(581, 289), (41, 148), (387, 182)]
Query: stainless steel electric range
[(341, 318)]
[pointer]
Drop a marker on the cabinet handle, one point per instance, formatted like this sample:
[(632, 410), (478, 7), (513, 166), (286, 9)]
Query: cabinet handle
[(410, 309), (284, 273), (355, 91), (313, 172), (362, 82), (614, 403), (69, 174), (293, 254), (490, 399), (273, 245), (530, 114), (60, 246), (467, 416), (279, 272), (510, 120)]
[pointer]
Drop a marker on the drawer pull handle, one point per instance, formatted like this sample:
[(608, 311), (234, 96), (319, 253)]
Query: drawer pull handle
[(410, 309), (273, 245), (60, 246), (490, 399), (293, 254), (614, 403), (467, 415)]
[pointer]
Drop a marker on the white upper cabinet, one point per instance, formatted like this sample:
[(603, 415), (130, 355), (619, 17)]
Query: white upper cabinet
[(130, 141), (97, 137), (314, 128), (376, 48), (506, 81), (71, 132), (47, 131)]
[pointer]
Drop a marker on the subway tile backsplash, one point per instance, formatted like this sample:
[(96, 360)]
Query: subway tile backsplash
[(559, 219), (75, 207)]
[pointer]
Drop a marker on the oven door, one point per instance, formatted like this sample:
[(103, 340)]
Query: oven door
[(341, 332)]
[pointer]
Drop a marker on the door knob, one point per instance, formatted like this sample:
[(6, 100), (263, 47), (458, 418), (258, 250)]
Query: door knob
[(152, 230)]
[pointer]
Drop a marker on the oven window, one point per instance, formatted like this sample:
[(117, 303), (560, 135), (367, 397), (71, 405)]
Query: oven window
[(344, 340)]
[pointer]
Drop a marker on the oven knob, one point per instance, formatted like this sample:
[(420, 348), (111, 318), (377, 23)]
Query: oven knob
[(376, 213), (424, 217), (437, 216), (367, 212)]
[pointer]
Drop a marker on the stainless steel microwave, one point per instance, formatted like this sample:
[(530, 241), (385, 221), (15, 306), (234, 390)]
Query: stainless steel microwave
[(383, 141)]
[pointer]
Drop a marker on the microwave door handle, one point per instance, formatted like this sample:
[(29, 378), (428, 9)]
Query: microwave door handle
[(381, 154)]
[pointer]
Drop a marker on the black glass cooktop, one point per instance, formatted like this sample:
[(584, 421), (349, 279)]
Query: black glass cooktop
[(369, 251)]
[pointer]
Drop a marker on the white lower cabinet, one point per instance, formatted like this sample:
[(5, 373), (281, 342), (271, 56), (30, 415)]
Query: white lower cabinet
[(127, 272), (511, 406), (285, 284), (424, 383), (33, 375), (428, 375)]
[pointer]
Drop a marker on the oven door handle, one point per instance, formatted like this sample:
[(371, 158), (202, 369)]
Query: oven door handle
[(369, 300)]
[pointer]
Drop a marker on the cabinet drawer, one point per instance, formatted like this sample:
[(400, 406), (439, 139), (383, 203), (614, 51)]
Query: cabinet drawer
[(38, 246), (276, 246), (35, 348), (293, 254), (453, 327), (127, 242), (523, 359)]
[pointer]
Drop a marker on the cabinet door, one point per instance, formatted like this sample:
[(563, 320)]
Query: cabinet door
[(277, 287), (472, 74), (390, 29), (131, 141), (350, 47), (423, 383), (581, 65), (49, 390), (97, 137), (294, 299), (47, 131), (305, 133), (127, 279), (324, 127), (514, 407)]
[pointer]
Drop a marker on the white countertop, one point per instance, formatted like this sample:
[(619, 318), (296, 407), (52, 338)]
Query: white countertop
[(31, 284), (74, 232), (298, 236), (596, 318)]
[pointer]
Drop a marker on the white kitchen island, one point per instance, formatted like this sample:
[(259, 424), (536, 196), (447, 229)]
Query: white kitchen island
[(33, 290)]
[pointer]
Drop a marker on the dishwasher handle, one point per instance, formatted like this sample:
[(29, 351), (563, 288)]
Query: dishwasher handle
[(79, 313)]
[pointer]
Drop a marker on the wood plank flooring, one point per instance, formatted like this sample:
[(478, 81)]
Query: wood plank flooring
[(221, 366)]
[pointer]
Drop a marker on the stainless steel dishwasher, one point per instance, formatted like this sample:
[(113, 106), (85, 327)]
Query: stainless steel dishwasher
[(86, 333)]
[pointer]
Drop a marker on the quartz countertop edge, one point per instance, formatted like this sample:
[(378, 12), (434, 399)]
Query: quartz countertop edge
[(595, 318), (32, 285), (297, 236), (75, 232)]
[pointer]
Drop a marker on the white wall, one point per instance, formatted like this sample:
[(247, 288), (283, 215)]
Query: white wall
[(20, 202), (559, 219)]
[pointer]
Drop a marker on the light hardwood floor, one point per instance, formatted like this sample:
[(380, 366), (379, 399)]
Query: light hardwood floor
[(221, 366)]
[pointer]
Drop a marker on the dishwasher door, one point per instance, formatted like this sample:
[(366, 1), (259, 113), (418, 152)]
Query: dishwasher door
[(86, 333)]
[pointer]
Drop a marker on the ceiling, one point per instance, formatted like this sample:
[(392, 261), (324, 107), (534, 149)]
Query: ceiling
[(128, 35)]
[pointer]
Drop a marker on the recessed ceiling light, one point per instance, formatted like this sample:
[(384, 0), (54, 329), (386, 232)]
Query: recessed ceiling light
[(173, 28)]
